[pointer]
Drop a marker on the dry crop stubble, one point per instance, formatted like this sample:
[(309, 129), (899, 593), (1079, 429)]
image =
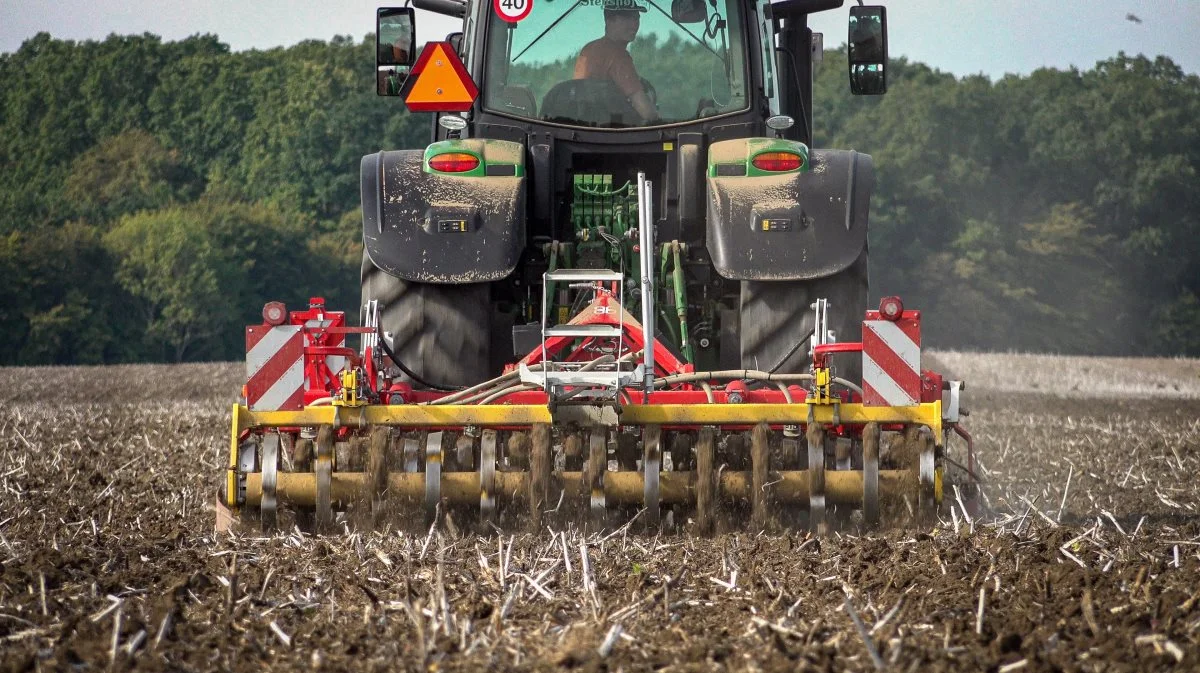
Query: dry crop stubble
[(108, 556)]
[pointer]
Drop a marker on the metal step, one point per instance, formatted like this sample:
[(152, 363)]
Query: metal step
[(582, 331), (570, 275)]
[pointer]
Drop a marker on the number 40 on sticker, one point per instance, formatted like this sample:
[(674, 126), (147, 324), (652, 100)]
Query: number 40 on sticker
[(512, 10)]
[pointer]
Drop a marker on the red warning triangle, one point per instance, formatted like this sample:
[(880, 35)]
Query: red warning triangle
[(439, 82)]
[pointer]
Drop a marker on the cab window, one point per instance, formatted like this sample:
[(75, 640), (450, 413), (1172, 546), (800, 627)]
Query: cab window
[(618, 63)]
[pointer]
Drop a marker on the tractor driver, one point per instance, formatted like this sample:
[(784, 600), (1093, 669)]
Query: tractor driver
[(608, 57)]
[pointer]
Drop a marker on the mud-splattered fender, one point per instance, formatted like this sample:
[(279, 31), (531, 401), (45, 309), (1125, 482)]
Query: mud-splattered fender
[(792, 226), (428, 227)]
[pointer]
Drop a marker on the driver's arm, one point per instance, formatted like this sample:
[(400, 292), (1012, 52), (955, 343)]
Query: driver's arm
[(641, 103), (627, 80)]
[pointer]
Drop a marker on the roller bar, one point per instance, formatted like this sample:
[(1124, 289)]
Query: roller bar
[(842, 487)]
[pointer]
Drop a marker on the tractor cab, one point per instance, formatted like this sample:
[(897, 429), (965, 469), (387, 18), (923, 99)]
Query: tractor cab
[(605, 65)]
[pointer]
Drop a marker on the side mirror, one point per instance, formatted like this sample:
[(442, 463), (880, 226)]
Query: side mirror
[(389, 80), (395, 36), (395, 39), (868, 50), (688, 11)]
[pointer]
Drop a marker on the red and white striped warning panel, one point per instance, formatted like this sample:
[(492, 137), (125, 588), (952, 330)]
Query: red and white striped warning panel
[(891, 362), (274, 368)]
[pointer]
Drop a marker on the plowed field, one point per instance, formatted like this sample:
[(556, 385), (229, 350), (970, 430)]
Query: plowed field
[(1089, 558)]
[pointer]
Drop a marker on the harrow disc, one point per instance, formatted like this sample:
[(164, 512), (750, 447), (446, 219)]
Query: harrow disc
[(651, 474), (323, 468), (597, 465), (268, 509)]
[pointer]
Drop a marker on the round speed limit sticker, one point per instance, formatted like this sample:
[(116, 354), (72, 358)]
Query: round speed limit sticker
[(512, 10)]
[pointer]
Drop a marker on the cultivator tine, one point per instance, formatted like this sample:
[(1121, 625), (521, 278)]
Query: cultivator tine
[(572, 452), (302, 462), (433, 476), (759, 459), (487, 476), (464, 450), (268, 509), (377, 468), (816, 478), (517, 455), (302, 455), (539, 472), (651, 467), (841, 453), (323, 467), (871, 474), (412, 453), (594, 476), (705, 480)]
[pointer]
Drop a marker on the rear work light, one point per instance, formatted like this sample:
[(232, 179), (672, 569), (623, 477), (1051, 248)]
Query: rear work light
[(454, 162), (778, 161)]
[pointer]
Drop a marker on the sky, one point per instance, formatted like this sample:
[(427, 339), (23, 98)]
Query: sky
[(964, 37)]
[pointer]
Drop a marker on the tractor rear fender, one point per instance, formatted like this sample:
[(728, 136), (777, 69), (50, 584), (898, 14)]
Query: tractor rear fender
[(421, 224), (798, 225)]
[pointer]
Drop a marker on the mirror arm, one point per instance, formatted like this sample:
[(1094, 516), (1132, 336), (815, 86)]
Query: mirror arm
[(796, 79), (452, 8)]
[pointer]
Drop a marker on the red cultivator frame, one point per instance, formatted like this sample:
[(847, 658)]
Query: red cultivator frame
[(578, 421)]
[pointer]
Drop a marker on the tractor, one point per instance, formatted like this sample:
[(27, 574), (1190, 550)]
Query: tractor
[(617, 279)]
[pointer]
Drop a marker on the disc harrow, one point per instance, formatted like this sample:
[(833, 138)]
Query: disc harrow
[(576, 432)]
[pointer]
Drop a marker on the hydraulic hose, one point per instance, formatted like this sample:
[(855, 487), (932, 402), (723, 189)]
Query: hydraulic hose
[(410, 373)]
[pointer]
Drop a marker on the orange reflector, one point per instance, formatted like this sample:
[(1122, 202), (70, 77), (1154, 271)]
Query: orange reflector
[(778, 161), (454, 162), (439, 82)]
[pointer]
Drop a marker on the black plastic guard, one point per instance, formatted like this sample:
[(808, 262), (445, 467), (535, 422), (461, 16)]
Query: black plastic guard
[(434, 228), (798, 226)]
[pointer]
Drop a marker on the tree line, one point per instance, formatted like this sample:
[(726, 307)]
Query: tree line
[(156, 194)]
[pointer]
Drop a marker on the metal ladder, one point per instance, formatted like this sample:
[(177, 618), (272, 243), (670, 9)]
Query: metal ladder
[(603, 383)]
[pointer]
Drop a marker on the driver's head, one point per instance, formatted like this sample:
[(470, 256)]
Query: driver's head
[(622, 19)]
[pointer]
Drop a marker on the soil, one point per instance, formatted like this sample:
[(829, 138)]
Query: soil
[(108, 557)]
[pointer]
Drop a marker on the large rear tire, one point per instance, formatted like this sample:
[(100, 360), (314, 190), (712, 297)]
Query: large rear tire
[(440, 332), (776, 315)]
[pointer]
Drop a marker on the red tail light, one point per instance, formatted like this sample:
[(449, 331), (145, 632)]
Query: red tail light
[(778, 161), (454, 162), (274, 313), (891, 308)]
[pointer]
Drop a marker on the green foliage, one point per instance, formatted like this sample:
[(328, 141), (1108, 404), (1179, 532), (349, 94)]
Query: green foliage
[(126, 173), (61, 304), (1051, 212), (155, 194), (198, 273)]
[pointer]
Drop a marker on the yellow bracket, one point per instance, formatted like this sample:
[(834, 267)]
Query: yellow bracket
[(231, 472), (349, 395), (822, 384)]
